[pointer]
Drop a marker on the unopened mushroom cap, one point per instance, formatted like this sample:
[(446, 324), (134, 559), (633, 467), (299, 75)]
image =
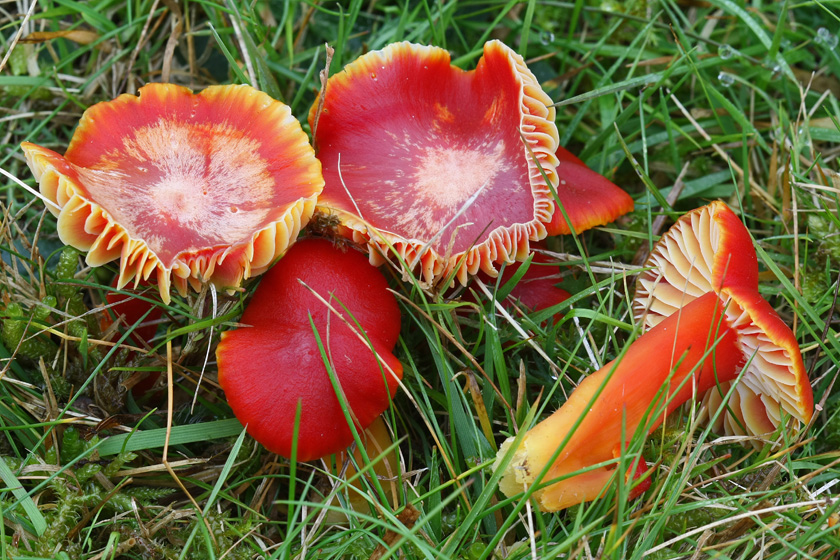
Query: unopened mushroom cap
[(710, 250), (447, 166), (182, 188), (269, 369)]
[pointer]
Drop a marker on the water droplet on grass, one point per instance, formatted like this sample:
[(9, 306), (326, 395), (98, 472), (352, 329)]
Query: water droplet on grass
[(546, 37), (803, 136), (726, 52), (826, 38), (772, 65), (726, 79)]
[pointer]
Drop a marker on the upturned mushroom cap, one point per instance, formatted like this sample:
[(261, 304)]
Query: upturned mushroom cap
[(182, 188), (266, 370), (588, 198), (710, 250), (447, 166)]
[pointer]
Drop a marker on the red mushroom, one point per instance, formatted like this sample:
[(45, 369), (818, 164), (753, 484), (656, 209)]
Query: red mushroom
[(276, 365), (719, 326), (718, 255), (588, 198), (182, 188), (447, 167)]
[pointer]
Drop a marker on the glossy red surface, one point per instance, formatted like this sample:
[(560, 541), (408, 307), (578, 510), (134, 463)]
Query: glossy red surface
[(268, 369)]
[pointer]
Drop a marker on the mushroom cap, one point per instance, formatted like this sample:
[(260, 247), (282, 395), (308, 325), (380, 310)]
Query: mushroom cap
[(710, 250), (775, 381), (588, 198), (446, 166), (188, 188), (267, 369)]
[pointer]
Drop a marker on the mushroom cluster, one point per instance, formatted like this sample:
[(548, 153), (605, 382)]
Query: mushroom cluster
[(435, 169), (445, 174), (708, 329)]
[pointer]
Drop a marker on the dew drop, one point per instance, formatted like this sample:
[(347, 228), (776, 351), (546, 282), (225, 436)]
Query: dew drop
[(373, 76), (803, 136), (826, 38), (726, 79), (772, 65), (546, 37), (726, 52)]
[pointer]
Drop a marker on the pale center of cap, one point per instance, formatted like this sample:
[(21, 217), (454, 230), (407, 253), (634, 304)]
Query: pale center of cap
[(444, 180), (184, 187), (448, 177)]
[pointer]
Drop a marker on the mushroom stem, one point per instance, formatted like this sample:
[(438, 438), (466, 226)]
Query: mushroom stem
[(587, 430)]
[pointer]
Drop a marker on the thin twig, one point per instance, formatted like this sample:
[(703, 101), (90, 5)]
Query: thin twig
[(170, 406)]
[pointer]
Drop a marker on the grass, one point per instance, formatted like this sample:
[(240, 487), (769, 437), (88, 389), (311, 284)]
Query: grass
[(679, 102)]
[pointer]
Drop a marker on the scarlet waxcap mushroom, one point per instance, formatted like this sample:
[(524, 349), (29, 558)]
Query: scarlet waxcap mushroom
[(588, 198), (703, 345), (446, 166), (182, 188), (709, 249), (271, 367), (675, 349)]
